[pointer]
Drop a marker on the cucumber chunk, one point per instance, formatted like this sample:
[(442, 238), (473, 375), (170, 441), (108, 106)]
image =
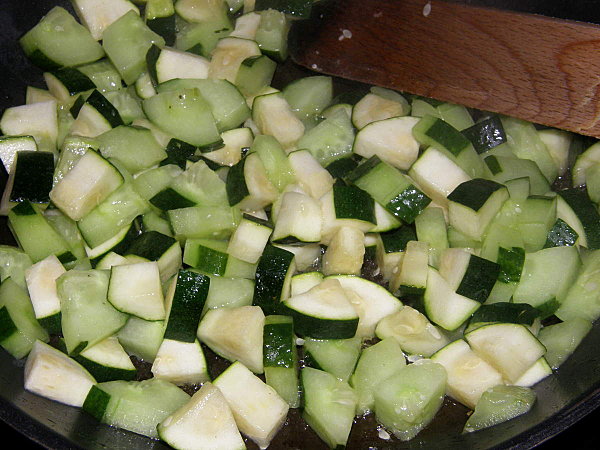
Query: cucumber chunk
[(180, 363), (126, 41), (107, 361)]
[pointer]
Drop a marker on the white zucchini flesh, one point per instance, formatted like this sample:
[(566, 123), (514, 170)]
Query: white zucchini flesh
[(536, 373), (413, 331), (558, 143), (390, 139), (510, 348), (39, 120), (327, 300), (258, 410), (109, 352), (204, 422), (248, 241), (180, 363), (345, 252), (305, 256), (469, 376), (304, 282), (373, 107), (10, 145), (584, 161), (371, 302), (172, 64), (41, 284), (445, 307), (299, 216), (98, 15), (85, 186), (89, 122), (414, 268), (453, 265), (136, 289), (234, 141), (273, 115), (229, 53), (246, 26), (52, 374), (235, 334), (437, 175), (262, 192), (312, 177), (37, 95)]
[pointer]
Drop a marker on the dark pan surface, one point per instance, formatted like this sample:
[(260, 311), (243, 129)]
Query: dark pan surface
[(563, 399)]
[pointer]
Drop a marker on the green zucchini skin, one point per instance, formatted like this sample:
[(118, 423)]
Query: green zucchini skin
[(505, 312), (74, 80), (587, 213), (189, 298), (434, 131), (396, 240), (486, 134), (104, 107), (561, 234), (279, 343), (319, 328), (33, 177), (150, 245), (178, 153), (352, 202), (169, 198), (474, 193), (271, 274), (96, 402), (479, 279), (511, 264), (236, 186)]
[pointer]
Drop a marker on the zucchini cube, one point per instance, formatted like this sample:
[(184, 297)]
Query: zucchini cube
[(473, 204), (432, 131), (470, 275), (406, 402), (537, 215), (32, 178), (437, 174), (390, 188)]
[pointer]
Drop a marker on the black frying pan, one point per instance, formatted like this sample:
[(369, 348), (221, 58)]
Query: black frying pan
[(564, 400)]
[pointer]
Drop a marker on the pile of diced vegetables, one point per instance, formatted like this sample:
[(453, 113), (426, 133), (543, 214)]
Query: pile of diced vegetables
[(364, 253)]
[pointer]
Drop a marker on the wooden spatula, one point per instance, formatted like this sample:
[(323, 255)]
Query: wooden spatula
[(533, 67)]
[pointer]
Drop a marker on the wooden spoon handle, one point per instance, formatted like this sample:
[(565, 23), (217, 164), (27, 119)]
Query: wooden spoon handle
[(533, 67)]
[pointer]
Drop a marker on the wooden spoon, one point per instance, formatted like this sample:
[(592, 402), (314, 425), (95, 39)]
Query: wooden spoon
[(537, 68)]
